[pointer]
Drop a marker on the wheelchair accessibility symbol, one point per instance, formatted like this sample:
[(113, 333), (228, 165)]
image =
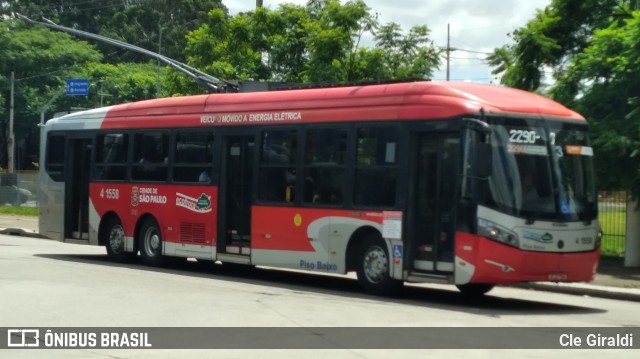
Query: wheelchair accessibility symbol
[(397, 251)]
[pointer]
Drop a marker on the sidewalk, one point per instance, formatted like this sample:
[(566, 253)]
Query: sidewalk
[(613, 280)]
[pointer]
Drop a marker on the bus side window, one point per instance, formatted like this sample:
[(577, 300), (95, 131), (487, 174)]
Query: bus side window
[(193, 157), (278, 161), (325, 171), (151, 152), (376, 166), (111, 156), (56, 148)]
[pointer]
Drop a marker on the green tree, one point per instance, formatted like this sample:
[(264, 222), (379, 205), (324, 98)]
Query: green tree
[(556, 33), (319, 42), (590, 50), (409, 56), (158, 25), (41, 60), (603, 83), (112, 84), (141, 22)]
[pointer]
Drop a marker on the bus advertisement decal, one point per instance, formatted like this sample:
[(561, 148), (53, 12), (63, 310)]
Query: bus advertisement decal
[(198, 205)]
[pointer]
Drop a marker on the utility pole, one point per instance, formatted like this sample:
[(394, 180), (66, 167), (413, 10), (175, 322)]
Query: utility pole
[(448, 49), (159, 53), (48, 104), (102, 94), (11, 142)]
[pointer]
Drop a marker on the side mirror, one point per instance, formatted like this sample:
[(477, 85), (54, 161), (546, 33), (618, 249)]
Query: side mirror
[(484, 158), (476, 125)]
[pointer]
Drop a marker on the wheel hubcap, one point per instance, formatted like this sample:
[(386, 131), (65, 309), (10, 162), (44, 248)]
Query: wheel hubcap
[(376, 265), (116, 239), (152, 242)]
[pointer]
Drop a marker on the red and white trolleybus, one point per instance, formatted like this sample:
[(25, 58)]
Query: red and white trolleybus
[(458, 183)]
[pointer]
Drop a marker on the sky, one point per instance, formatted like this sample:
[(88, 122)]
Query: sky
[(477, 26)]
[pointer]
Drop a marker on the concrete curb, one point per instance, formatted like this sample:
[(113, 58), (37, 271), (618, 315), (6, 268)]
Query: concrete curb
[(589, 290), (21, 232)]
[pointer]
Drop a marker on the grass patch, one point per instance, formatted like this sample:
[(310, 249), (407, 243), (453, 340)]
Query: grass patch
[(612, 222), (19, 211), (613, 226)]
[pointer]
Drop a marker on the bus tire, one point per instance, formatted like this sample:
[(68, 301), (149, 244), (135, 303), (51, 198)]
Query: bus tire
[(475, 290), (150, 243), (115, 241), (373, 267)]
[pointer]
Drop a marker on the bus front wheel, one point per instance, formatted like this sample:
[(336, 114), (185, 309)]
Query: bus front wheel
[(115, 242), (373, 267), (150, 243)]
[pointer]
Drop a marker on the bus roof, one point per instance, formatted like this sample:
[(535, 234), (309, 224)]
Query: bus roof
[(397, 101)]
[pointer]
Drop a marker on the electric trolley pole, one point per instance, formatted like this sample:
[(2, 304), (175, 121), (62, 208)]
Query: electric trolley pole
[(206, 81), (448, 49)]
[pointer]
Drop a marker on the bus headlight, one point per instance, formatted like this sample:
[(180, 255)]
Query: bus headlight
[(497, 233), (599, 239)]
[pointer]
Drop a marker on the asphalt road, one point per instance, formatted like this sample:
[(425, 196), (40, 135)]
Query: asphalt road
[(50, 284)]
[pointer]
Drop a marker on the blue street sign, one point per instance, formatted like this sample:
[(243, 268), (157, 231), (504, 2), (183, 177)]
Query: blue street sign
[(77, 87)]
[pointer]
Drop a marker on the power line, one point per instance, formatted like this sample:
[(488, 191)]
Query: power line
[(445, 48), (466, 58), (473, 51), (53, 9)]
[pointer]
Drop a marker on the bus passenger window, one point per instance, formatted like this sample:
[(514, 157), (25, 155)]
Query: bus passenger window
[(376, 166), (325, 171), (111, 156), (278, 177), (151, 152), (193, 157), (55, 157)]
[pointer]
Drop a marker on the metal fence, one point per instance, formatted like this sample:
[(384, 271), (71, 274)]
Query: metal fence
[(19, 188), (613, 221)]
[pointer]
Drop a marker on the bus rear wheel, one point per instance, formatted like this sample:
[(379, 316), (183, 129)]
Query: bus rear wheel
[(115, 242), (150, 243), (373, 267), (475, 290)]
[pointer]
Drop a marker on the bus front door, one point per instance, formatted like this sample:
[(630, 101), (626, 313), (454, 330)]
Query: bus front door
[(76, 216), (436, 161), (236, 195)]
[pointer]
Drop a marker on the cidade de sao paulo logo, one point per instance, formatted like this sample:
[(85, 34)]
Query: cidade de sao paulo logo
[(146, 195)]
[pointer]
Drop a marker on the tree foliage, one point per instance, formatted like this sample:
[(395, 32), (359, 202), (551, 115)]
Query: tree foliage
[(150, 24), (41, 61), (314, 43), (590, 50)]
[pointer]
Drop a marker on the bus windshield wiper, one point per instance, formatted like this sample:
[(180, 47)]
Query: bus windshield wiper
[(531, 219), (589, 214)]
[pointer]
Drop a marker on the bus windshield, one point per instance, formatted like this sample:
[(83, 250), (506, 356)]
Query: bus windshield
[(541, 170)]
